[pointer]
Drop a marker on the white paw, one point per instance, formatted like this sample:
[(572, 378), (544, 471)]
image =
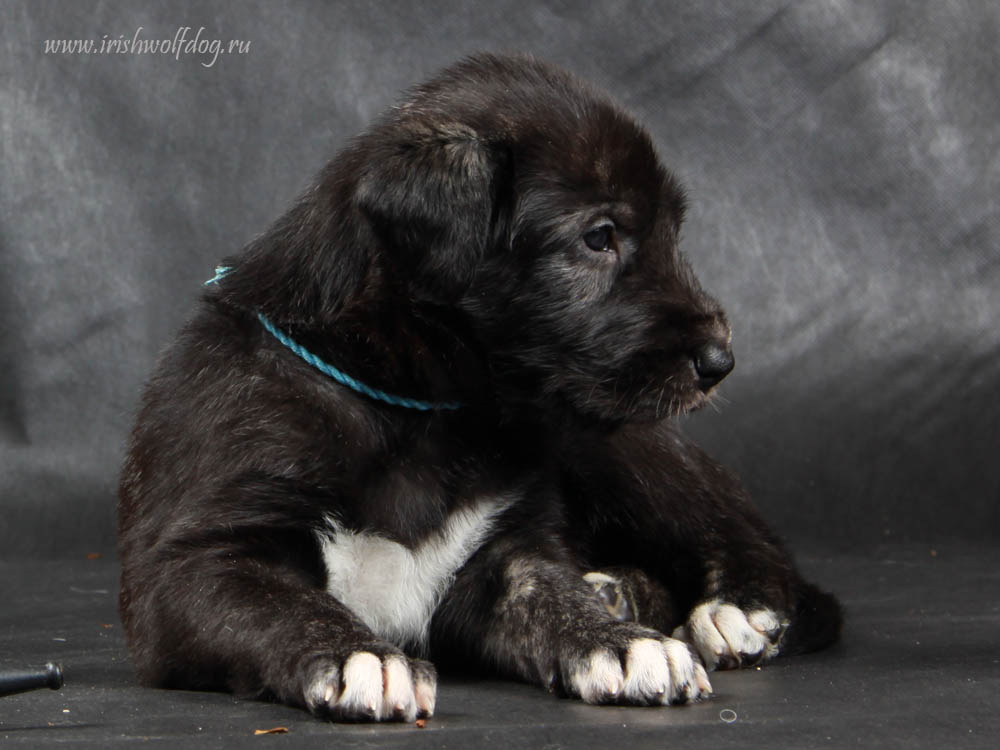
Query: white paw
[(726, 637), (652, 672), (368, 688)]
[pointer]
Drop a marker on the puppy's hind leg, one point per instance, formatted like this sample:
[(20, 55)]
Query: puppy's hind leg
[(630, 595), (688, 523)]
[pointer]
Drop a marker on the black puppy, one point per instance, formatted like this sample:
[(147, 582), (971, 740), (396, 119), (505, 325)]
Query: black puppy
[(415, 416)]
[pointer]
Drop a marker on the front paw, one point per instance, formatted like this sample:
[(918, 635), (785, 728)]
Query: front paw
[(366, 687), (643, 668), (726, 637)]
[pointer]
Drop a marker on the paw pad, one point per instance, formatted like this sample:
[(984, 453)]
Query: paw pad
[(613, 593)]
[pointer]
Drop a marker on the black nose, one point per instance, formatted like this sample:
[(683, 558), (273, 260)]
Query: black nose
[(712, 363)]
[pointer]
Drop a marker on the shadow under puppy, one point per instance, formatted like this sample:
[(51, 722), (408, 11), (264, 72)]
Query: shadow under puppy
[(410, 417)]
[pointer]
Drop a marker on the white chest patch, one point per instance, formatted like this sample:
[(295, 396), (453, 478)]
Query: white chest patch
[(393, 589)]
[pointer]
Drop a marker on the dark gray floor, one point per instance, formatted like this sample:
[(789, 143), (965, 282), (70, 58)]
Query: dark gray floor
[(919, 667)]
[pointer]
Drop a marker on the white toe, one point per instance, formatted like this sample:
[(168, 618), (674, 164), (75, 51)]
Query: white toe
[(737, 632), (398, 700), (362, 694), (324, 690), (686, 682), (705, 636), (425, 693), (599, 678), (647, 672)]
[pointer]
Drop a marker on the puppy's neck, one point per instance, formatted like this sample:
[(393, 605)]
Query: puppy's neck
[(389, 349), (413, 349)]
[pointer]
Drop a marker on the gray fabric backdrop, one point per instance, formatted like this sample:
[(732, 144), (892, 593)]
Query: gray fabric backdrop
[(842, 160)]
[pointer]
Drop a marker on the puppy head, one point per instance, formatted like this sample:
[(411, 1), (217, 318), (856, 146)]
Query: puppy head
[(533, 218), (545, 210), (599, 309)]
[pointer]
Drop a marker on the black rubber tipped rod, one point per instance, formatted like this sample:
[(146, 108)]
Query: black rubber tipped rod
[(21, 682)]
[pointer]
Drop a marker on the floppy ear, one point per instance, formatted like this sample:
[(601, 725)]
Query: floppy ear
[(306, 265), (431, 195)]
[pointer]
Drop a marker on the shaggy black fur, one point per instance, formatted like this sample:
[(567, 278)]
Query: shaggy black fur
[(507, 239)]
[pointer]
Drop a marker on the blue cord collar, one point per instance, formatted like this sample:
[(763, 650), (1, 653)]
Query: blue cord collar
[(327, 369)]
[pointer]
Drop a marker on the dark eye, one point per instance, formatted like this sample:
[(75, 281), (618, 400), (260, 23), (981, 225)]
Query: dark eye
[(600, 238)]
